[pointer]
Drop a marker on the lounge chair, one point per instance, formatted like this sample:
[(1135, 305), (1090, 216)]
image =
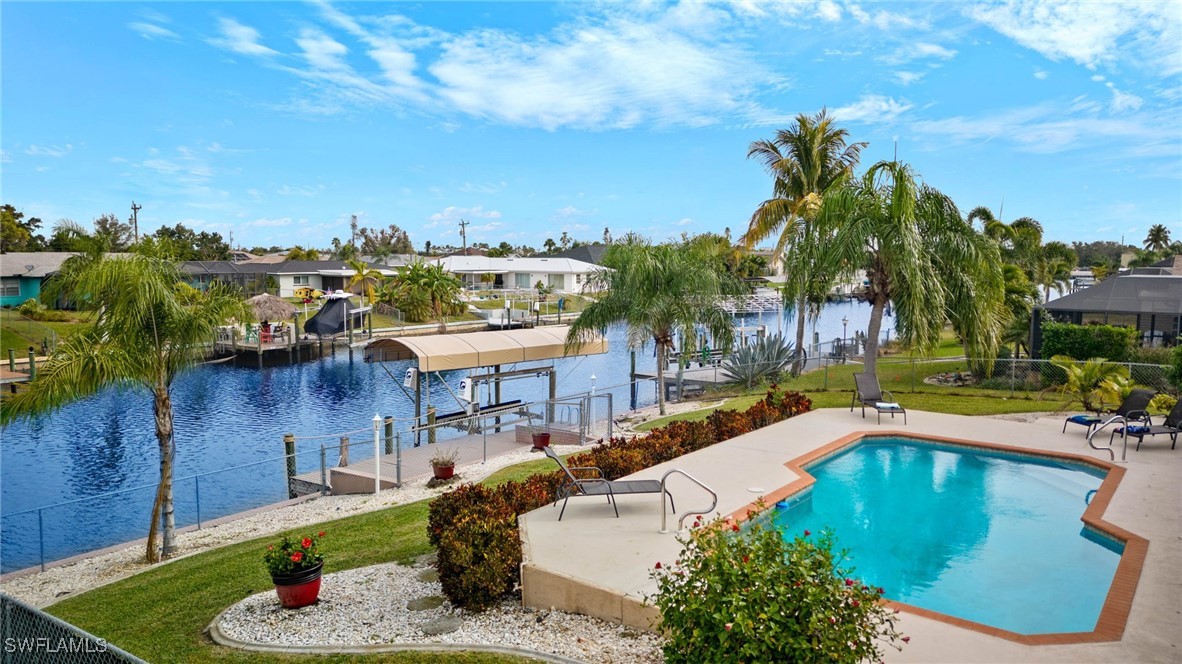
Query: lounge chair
[(868, 393), (597, 486), (1171, 427), (1132, 409)]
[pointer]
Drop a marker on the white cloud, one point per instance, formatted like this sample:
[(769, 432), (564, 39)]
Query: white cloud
[(241, 39), (1097, 77), (1123, 101), (617, 74), (918, 51), (883, 20), (5, 158), (451, 215), (299, 190), (270, 223), (483, 187), (872, 108), (152, 32), (1041, 74), (684, 221), (570, 212), (908, 77), (829, 10), (1091, 33), (49, 150)]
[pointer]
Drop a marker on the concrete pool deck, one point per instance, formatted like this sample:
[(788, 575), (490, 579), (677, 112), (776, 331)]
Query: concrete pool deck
[(594, 563)]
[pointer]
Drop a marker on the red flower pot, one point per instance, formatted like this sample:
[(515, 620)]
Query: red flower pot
[(299, 589), (541, 440), (443, 472)]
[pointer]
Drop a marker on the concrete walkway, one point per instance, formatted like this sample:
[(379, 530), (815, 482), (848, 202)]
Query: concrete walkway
[(594, 563)]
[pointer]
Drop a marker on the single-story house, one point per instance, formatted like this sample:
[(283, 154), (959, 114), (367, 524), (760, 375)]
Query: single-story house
[(588, 253), (1150, 303), (283, 278), (564, 275), (22, 274), (321, 275)]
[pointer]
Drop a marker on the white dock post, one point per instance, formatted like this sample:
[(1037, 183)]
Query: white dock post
[(377, 455)]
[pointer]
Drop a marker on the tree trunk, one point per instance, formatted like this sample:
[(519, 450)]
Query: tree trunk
[(661, 376), (162, 508), (872, 332), (798, 367)]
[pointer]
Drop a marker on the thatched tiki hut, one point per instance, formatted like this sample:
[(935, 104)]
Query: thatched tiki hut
[(271, 307)]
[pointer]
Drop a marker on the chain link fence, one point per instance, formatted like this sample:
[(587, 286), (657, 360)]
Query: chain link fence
[(31, 636)]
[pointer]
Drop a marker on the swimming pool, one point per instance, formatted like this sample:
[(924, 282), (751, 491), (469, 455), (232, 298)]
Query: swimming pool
[(971, 533)]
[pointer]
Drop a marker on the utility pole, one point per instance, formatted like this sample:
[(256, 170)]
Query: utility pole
[(135, 224), (464, 234), (353, 231)]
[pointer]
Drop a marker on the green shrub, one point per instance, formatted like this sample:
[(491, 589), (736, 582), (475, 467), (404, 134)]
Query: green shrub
[(1175, 371), (1083, 342), (765, 359), (474, 528), (747, 595)]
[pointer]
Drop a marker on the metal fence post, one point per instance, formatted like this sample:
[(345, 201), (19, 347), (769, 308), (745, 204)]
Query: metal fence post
[(610, 416), (197, 492), (323, 471), (1013, 375), (289, 450), (41, 539), (825, 363), (389, 434), (12, 359), (398, 458)]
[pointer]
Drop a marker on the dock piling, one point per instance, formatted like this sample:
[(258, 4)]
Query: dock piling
[(323, 472), (12, 359), (32, 364), (289, 451)]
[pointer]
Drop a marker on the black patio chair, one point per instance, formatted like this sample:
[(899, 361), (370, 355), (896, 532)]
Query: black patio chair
[(598, 486), (1134, 408), (1171, 427), (868, 393)]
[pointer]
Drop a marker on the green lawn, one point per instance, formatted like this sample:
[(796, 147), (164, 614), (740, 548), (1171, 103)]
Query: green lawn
[(160, 614), (18, 333)]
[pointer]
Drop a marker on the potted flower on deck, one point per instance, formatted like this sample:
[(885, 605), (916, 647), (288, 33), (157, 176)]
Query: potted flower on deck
[(295, 567), (443, 463)]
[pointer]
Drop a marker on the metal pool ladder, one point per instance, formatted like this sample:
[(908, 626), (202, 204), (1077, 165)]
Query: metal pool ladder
[(664, 491), (1118, 419)]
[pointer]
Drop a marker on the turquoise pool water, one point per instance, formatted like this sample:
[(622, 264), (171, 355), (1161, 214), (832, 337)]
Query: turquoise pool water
[(974, 534)]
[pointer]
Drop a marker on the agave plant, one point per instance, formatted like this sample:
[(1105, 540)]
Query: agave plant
[(766, 358)]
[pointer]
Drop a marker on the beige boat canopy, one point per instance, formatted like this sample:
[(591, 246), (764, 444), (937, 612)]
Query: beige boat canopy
[(444, 352)]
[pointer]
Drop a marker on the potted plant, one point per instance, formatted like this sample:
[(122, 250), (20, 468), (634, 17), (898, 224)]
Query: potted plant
[(295, 567), (541, 439), (443, 463)]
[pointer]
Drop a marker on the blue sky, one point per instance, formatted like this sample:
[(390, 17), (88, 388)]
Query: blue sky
[(277, 121)]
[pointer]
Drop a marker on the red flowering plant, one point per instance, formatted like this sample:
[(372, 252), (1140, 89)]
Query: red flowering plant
[(292, 556)]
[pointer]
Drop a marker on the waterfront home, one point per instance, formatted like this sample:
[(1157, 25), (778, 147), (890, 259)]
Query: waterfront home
[(281, 278), (23, 273), (563, 275)]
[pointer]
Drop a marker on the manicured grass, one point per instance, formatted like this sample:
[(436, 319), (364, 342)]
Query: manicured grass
[(522, 471), (160, 614), (18, 333)]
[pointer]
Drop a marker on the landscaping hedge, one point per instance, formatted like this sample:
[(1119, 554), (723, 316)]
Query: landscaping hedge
[(474, 527), (1084, 342)]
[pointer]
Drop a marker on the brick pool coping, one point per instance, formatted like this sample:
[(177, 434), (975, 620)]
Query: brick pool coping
[(1117, 604)]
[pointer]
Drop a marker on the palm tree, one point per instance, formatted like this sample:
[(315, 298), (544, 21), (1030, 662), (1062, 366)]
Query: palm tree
[(149, 329), (806, 160), (368, 276), (299, 253), (657, 291), (430, 281), (918, 254), (1158, 238)]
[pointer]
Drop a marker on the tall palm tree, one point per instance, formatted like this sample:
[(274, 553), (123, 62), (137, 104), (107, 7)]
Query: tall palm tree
[(149, 328), (1158, 238), (919, 255), (806, 160), (1020, 240), (367, 276), (657, 291)]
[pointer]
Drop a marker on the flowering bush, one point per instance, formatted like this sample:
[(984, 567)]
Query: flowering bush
[(474, 528), (747, 595), (291, 556)]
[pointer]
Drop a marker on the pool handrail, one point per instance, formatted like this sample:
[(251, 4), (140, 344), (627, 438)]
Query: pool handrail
[(681, 521)]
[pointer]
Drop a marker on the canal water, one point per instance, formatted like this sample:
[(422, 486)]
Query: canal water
[(229, 424)]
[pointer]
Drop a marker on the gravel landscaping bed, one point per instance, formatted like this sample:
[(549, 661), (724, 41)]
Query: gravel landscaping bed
[(396, 604)]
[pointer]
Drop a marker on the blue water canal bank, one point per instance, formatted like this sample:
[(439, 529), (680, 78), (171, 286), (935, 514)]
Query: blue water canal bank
[(84, 478)]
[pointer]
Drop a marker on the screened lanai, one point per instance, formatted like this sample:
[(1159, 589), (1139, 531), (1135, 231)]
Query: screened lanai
[(1151, 304)]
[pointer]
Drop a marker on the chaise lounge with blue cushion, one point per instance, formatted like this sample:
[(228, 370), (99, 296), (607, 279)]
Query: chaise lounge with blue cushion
[(1134, 408), (1171, 427), (598, 486), (868, 392)]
